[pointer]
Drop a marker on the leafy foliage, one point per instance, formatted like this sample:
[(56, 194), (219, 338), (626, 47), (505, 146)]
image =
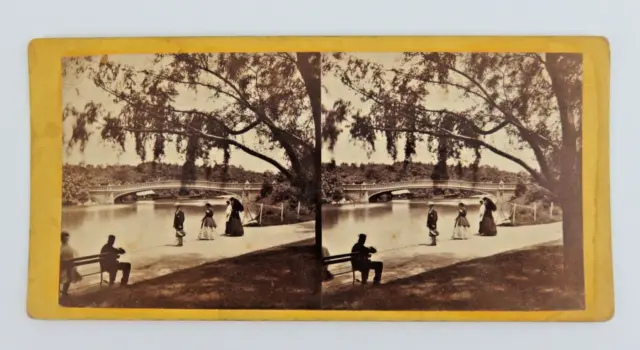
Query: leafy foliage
[(514, 94), (272, 96)]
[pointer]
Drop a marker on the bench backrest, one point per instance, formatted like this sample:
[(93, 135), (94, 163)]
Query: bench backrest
[(84, 260), (337, 259)]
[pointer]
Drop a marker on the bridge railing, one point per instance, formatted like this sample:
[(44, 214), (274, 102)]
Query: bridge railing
[(431, 183), (186, 184)]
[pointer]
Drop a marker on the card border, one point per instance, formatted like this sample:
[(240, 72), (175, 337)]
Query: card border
[(46, 163)]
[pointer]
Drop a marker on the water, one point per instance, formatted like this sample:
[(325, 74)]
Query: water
[(136, 226), (389, 226)]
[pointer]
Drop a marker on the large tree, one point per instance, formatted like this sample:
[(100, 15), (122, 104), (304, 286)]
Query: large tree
[(496, 102), (271, 99)]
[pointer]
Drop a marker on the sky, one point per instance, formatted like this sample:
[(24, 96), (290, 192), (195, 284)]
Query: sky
[(347, 151), (78, 91)]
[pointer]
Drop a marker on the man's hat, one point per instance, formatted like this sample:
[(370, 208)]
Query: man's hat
[(430, 203)]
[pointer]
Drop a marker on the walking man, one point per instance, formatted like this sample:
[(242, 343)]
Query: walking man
[(178, 224), (432, 224)]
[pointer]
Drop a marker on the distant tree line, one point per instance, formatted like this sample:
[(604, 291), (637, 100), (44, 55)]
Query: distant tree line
[(337, 175), (77, 179)]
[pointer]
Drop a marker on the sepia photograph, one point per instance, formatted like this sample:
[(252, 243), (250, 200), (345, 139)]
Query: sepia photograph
[(190, 181), (452, 181)]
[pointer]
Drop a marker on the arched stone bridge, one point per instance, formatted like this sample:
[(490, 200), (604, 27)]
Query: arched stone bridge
[(364, 192), (108, 194)]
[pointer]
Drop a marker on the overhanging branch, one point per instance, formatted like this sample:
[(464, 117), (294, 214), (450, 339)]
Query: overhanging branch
[(198, 133), (447, 134)]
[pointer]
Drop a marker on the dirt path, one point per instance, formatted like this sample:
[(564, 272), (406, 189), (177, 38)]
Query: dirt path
[(412, 260), (166, 258), (525, 279), (283, 277)]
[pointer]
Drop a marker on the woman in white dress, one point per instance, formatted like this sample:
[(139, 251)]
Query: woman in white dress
[(208, 224), (68, 274), (461, 225)]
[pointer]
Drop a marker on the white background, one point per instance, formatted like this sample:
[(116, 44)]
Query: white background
[(21, 21)]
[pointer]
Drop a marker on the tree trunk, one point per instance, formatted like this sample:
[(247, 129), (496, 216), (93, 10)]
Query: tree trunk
[(572, 237), (570, 196), (309, 68)]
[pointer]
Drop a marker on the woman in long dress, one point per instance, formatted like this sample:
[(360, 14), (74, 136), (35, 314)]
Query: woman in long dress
[(461, 225), (480, 216), (227, 218), (235, 223), (68, 274), (488, 224), (208, 224)]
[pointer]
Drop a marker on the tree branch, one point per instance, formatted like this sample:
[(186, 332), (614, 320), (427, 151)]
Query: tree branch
[(534, 137), (202, 134), (261, 114), (447, 134), (228, 130), (475, 128)]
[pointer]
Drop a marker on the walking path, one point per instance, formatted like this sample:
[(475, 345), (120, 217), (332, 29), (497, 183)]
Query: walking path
[(151, 262), (414, 259)]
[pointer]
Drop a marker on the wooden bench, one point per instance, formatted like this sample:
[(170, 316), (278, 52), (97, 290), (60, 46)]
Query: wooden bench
[(342, 258), (87, 260)]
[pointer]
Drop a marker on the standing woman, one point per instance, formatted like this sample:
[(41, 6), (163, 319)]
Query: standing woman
[(480, 216), (235, 224), (227, 218), (68, 273), (461, 225), (488, 225), (208, 224)]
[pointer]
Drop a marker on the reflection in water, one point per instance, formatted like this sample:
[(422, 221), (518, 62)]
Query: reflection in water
[(389, 225), (136, 226)]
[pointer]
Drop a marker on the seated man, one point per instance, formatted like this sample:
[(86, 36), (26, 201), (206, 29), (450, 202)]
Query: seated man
[(110, 263), (361, 261)]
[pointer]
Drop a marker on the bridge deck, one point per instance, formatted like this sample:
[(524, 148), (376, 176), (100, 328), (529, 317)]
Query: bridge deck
[(231, 186), (488, 186)]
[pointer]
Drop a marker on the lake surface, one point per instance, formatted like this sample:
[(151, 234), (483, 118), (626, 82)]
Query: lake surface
[(142, 225), (391, 225)]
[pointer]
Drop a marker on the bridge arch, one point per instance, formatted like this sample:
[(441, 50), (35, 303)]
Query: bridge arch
[(120, 195), (108, 194), (364, 192), (371, 195)]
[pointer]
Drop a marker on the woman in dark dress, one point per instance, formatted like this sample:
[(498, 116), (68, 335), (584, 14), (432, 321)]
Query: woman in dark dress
[(235, 223), (488, 225), (208, 224), (227, 218)]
